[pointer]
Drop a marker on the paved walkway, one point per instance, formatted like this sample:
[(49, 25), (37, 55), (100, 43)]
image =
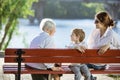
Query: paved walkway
[(28, 76)]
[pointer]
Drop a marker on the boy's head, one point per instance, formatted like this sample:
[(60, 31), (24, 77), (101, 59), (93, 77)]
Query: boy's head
[(48, 25), (78, 35)]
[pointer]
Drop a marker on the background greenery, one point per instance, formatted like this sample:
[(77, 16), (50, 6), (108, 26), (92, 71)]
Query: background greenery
[(72, 10), (10, 12)]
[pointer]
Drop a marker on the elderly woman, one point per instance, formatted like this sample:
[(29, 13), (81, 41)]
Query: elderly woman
[(44, 40)]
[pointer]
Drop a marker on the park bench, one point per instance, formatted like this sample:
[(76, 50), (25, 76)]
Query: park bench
[(26, 55)]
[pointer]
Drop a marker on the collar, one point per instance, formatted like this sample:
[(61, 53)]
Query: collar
[(44, 33), (106, 32)]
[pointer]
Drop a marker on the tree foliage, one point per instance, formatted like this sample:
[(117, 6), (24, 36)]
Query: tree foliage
[(71, 10), (10, 11)]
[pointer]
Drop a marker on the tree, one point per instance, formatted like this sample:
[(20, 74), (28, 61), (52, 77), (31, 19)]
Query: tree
[(10, 11), (113, 9)]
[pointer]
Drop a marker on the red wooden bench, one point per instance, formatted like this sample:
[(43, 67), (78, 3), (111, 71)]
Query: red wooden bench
[(12, 55)]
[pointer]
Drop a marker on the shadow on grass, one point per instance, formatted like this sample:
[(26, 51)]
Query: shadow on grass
[(115, 76)]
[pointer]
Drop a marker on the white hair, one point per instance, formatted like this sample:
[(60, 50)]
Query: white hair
[(47, 23)]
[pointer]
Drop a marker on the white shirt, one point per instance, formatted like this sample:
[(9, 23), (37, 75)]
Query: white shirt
[(73, 45), (42, 41), (95, 41)]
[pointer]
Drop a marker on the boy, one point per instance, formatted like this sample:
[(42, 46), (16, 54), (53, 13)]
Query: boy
[(77, 38)]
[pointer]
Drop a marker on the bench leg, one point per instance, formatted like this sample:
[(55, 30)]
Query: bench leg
[(49, 76), (16, 77)]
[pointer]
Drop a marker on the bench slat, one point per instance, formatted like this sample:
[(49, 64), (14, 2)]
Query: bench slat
[(61, 52), (27, 70), (67, 59)]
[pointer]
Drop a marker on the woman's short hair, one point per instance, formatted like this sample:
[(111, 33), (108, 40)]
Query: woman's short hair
[(79, 33), (105, 18), (47, 24)]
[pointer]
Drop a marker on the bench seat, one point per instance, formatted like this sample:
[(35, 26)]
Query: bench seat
[(12, 69)]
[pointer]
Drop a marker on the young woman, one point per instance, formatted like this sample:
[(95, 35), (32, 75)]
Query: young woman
[(103, 37)]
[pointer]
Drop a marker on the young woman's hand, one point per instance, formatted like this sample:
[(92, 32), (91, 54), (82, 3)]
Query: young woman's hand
[(103, 49)]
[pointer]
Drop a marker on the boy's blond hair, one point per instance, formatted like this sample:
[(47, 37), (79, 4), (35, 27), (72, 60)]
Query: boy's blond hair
[(79, 33)]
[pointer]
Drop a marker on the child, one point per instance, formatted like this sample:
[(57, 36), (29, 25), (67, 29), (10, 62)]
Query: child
[(77, 38)]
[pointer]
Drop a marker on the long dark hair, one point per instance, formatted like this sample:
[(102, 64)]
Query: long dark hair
[(105, 18)]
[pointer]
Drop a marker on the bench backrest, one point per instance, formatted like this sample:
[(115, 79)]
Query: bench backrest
[(61, 56)]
